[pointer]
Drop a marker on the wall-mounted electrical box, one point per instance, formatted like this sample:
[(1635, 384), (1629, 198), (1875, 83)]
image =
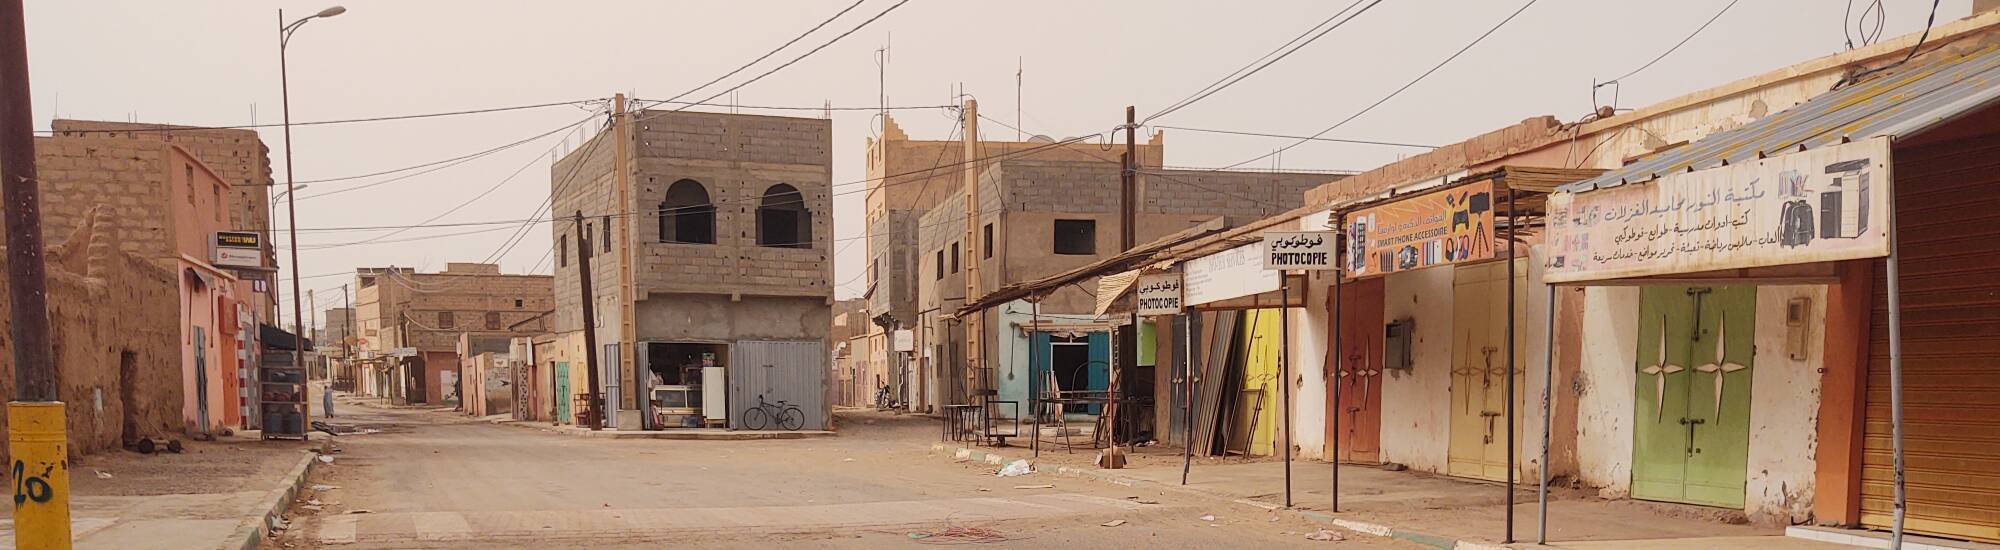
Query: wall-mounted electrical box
[(1397, 342), (1797, 329)]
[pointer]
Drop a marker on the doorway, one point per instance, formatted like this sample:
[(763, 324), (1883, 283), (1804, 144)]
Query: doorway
[(1691, 421), (1076, 362), (562, 395), (128, 396), (1479, 374), (1359, 375), (675, 391)]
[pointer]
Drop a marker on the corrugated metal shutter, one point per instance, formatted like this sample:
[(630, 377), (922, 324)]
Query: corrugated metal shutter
[(791, 371), (1948, 199)]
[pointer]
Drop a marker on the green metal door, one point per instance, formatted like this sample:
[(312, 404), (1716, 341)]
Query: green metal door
[(562, 396), (1691, 420)]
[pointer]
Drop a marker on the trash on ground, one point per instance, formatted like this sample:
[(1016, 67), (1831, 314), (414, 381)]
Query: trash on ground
[(1114, 523), (313, 507), (318, 487), (847, 460), (101, 474), (1016, 468), (1034, 486), (326, 459), (314, 502), (358, 511), (1325, 535), (960, 535), (1209, 517)]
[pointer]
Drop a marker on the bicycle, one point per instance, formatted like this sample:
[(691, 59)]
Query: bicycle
[(787, 415)]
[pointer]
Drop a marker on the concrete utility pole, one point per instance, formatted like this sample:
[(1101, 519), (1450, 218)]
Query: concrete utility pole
[(626, 225), (975, 321), (312, 331), (589, 324), (1128, 237), (36, 435)]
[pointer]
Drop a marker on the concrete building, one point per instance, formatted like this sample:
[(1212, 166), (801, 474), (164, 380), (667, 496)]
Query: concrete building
[(169, 206), (426, 313), (333, 338), (708, 237), (850, 328)]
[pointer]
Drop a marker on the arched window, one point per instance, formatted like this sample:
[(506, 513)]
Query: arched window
[(687, 216), (783, 220)]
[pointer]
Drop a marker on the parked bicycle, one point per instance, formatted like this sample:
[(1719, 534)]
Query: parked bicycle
[(766, 413)]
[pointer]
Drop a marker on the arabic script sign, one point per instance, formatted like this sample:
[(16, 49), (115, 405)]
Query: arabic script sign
[(1160, 294), (1439, 228), (1821, 205), (1304, 250)]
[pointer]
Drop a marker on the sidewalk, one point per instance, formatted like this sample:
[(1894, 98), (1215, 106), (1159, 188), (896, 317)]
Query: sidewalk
[(216, 494), (1425, 508), (694, 434)]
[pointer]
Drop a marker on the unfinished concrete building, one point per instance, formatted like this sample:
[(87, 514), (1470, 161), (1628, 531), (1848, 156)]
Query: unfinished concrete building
[(708, 236), (427, 313)]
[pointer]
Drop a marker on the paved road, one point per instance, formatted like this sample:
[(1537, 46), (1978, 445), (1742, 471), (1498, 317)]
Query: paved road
[(430, 480)]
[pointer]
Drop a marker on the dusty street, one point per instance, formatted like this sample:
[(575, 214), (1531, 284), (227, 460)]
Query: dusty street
[(431, 480)]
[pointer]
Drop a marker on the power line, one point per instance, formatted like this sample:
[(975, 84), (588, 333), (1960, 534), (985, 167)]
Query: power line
[(163, 128), (1281, 53), (1336, 140), (808, 53), (798, 107), (1385, 99), (767, 55), (434, 166), (1670, 51)]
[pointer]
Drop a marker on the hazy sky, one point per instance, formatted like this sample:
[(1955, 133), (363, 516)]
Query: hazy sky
[(215, 63)]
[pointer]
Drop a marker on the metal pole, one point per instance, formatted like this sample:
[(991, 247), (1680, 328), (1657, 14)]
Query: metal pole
[(1285, 373), (1511, 229), (36, 433), (589, 323), (1548, 394), (1896, 378), (1035, 378), (1128, 237), (291, 210), (1187, 388), (1339, 362)]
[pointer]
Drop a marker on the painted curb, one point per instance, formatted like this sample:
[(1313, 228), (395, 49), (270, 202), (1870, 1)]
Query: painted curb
[(263, 517), (965, 454)]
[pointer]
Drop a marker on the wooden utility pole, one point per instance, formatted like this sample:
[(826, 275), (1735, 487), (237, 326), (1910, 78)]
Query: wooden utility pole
[(589, 324), (1128, 236), (37, 438), (975, 321), (624, 219), (348, 333)]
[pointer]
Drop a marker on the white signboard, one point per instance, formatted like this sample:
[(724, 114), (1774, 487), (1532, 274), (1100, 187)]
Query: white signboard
[(1232, 273), (403, 352), (1301, 250), (1160, 294), (238, 249), (1821, 205), (904, 340)]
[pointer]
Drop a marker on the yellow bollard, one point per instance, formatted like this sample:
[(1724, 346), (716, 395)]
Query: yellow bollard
[(37, 439)]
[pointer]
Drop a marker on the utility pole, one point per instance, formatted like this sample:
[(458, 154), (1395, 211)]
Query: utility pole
[(627, 292), (312, 332), (975, 321), (1128, 236), (589, 323), (348, 333), (36, 435)]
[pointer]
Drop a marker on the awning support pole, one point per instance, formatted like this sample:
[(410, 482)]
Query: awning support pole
[(1896, 378), (1035, 378), (1548, 392), (1512, 228), (1285, 374), (1187, 387), (1333, 376)]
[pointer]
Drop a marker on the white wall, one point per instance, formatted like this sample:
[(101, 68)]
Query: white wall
[(1605, 386), (1784, 394), (1533, 318), (1308, 344), (1784, 408), (1416, 404)]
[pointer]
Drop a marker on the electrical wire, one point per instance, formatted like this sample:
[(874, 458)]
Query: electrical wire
[(1928, 24), (177, 128), (1677, 46), (799, 107), (1336, 140), (1385, 99), (1253, 67), (433, 166), (781, 67), (767, 55)]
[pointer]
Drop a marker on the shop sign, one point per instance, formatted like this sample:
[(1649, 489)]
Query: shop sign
[(1299, 250), (403, 352), (1442, 227), (904, 340), (238, 249), (1821, 205), (1232, 273), (1160, 294)]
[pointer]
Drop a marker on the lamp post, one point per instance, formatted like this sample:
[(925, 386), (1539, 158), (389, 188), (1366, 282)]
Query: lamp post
[(285, 31)]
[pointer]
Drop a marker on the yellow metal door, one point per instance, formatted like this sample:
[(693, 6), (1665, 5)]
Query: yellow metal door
[(1478, 447)]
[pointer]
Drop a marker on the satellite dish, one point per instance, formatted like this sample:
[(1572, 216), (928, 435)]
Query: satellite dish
[(1038, 138)]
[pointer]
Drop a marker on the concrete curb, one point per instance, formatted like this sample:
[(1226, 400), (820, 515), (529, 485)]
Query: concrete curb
[(969, 454), (666, 434), (262, 516)]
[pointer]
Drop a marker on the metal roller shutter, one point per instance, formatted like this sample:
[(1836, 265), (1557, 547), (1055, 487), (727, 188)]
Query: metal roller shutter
[(1948, 198)]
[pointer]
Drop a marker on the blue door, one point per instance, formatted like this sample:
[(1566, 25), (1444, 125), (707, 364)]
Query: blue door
[(1080, 363)]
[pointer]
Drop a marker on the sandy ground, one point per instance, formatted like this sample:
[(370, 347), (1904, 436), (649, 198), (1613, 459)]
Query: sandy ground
[(432, 480), (231, 464)]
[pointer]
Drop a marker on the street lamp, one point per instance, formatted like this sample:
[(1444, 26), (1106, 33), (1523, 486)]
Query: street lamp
[(285, 31)]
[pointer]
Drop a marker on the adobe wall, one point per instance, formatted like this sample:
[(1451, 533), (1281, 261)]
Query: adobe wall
[(104, 304)]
